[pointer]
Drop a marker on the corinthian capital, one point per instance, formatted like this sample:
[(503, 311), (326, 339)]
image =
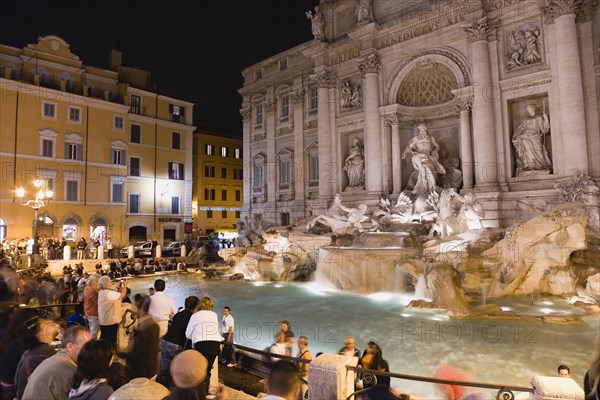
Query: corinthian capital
[(325, 79), (245, 112), (392, 119), (582, 9), (369, 64), (479, 30), (463, 105)]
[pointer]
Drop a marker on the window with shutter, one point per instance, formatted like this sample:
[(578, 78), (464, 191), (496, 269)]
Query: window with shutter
[(135, 134), (72, 190), (224, 214), (134, 166), (47, 148), (223, 194), (209, 214), (176, 140), (136, 104), (238, 195), (117, 193), (71, 151), (175, 205), (223, 172), (134, 203)]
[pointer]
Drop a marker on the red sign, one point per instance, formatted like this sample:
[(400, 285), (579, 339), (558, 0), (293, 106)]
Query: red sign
[(188, 227)]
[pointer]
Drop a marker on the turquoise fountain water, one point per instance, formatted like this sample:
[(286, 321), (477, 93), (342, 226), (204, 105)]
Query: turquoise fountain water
[(413, 341)]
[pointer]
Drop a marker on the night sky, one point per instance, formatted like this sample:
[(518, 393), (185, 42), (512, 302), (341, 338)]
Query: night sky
[(196, 50)]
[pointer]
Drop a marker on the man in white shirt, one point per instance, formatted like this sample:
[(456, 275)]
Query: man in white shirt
[(227, 325), (162, 307), (109, 308)]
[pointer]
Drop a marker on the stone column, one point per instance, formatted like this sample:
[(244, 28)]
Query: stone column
[(394, 122), (270, 167), (246, 112), (484, 132), (369, 68), (466, 144), (570, 84), (299, 170), (328, 169)]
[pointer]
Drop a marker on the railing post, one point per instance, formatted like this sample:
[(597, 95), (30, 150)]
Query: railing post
[(554, 387), (328, 377)]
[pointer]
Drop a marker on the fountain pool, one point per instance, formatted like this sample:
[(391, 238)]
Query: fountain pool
[(413, 341)]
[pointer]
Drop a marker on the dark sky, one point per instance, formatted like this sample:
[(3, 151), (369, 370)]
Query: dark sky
[(195, 49)]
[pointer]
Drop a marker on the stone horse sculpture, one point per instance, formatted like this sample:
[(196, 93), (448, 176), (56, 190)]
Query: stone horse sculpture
[(447, 223)]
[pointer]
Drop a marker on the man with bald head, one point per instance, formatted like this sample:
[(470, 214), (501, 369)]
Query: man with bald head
[(349, 349)]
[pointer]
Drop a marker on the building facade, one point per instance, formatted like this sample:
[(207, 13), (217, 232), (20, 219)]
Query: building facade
[(218, 183), (509, 89), (117, 156)]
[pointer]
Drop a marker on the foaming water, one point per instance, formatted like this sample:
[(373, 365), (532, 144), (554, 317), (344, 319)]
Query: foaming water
[(413, 341)]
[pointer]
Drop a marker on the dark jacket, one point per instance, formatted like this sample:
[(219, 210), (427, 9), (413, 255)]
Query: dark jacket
[(176, 332), (82, 244), (142, 361)]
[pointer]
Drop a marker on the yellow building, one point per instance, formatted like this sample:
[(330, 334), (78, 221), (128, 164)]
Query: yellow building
[(117, 156), (218, 183)]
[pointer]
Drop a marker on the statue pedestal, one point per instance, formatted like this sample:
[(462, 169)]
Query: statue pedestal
[(542, 173)]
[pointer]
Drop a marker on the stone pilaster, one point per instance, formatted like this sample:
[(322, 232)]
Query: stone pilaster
[(300, 170), (326, 82), (463, 109), (269, 173), (369, 68), (246, 113), (570, 84), (394, 122), (484, 133)]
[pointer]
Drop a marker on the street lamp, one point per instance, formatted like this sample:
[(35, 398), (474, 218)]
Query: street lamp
[(42, 198)]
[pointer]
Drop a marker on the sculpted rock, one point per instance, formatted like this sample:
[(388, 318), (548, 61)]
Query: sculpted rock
[(592, 287), (519, 262)]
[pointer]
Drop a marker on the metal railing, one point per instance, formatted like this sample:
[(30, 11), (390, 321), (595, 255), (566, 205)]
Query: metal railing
[(505, 392)]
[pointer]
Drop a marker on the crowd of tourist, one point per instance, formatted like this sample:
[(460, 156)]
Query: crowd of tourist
[(109, 338)]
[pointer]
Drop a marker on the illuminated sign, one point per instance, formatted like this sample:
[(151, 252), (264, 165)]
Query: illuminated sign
[(219, 209)]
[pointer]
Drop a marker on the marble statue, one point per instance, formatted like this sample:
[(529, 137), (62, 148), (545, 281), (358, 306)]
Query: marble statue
[(350, 95), (453, 177), (425, 160), (529, 140), (342, 224), (354, 165), (471, 212), (447, 222), (317, 23), (250, 232), (364, 10)]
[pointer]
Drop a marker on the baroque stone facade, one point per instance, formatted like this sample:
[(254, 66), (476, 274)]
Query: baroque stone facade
[(509, 89)]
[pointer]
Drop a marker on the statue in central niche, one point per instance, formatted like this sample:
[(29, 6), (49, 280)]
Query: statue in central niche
[(425, 160)]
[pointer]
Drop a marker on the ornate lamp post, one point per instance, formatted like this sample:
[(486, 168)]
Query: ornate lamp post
[(43, 196)]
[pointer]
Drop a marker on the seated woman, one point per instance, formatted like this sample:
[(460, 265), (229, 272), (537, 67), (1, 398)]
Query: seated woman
[(372, 358)]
